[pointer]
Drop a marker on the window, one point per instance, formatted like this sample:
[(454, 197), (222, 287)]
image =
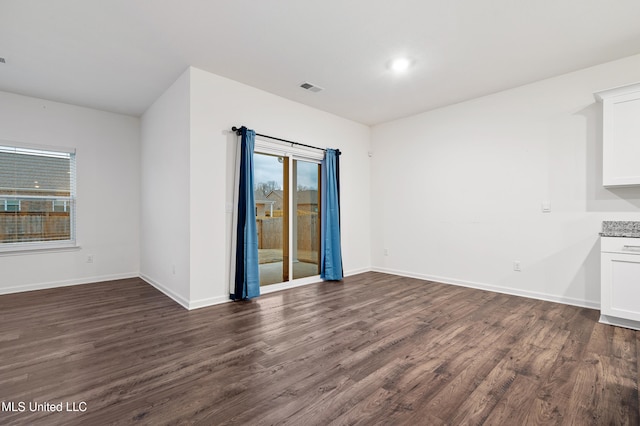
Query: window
[(60, 205), (11, 205), (37, 198)]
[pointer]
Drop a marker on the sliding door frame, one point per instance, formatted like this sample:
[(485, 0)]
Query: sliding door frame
[(290, 154)]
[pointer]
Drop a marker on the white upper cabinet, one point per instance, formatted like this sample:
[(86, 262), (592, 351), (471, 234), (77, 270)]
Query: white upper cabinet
[(620, 135)]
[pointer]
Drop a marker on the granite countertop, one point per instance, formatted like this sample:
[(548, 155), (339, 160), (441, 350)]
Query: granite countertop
[(619, 228)]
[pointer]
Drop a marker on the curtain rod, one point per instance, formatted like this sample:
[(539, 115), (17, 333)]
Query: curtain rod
[(237, 131)]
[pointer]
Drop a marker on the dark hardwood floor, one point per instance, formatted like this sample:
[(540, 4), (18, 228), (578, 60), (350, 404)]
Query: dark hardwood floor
[(375, 349)]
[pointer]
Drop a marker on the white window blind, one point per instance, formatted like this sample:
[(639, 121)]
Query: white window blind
[(37, 198)]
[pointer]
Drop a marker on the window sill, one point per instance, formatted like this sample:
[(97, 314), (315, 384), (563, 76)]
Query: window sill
[(37, 248)]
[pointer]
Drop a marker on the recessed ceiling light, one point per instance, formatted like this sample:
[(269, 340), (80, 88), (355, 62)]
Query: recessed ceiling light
[(400, 64)]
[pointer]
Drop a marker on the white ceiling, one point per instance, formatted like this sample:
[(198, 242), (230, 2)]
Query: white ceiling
[(120, 55)]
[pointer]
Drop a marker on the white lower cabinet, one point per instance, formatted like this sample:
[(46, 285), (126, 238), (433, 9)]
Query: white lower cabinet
[(620, 282)]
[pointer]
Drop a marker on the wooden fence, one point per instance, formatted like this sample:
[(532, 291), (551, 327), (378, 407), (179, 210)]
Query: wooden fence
[(270, 232), (16, 227)]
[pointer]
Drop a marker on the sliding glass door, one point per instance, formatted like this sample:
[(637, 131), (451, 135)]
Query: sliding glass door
[(287, 194), (306, 219)]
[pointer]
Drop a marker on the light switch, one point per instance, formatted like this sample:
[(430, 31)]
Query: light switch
[(546, 207)]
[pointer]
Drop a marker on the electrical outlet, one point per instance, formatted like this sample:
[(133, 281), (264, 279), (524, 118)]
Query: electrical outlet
[(516, 266), (89, 258), (386, 252)]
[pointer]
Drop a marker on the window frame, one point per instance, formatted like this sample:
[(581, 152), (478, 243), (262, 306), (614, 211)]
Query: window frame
[(10, 248)]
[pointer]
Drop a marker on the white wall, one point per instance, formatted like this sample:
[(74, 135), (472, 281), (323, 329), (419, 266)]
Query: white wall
[(457, 191), (164, 201), (217, 104), (453, 194), (108, 190)]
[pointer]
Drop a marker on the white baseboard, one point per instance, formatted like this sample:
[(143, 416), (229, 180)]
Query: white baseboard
[(196, 304), (66, 283), (498, 289), (169, 293), (357, 271), (203, 303), (187, 304)]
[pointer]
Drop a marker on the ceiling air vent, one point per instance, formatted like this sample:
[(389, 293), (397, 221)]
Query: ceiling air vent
[(311, 87)]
